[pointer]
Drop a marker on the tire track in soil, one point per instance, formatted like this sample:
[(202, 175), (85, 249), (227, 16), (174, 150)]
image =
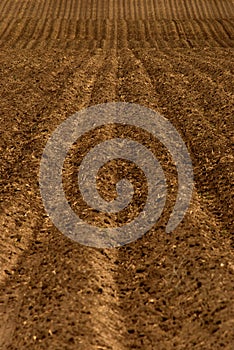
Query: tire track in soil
[(181, 68), (28, 233), (20, 130), (156, 273), (211, 55), (194, 105), (216, 89), (218, 72), (151, 280), (13, 167), (50, 275)]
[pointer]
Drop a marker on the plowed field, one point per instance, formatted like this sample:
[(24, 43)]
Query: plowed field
[(163, 291)]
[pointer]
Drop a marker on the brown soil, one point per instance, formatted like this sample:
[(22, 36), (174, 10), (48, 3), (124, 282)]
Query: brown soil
[(163, 291)]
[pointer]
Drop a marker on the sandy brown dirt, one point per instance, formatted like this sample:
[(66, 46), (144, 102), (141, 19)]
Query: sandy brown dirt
[(163, 291)]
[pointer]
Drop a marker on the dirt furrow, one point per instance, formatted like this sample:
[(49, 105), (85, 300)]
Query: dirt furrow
[(222, 32), (150, 11), (3, 6), (100, 30), (178, 9), (6, 28), (163, 291), (145, 10), (59, 325), (204, 129), (222, 9), (61, 9), (156, 40), (119, 34), (219, 72), (111, 10), (42, 9), (209, 60), (16, 188), (200, 10), (218, 91), (162, 33), (205, 30), (21, 31), (56, 9), (172, 10), (227, 28), (222, 40), (63, 26), (69, 10), (142, 33), (181, 34), (156, 274), (29, 32), (7, 7), (78, 283)]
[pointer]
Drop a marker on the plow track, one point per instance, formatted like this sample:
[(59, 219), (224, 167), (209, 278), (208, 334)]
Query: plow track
[(179, 23), (163, 291)]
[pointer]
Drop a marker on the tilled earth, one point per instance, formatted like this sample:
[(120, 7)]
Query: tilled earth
[(163, 291)]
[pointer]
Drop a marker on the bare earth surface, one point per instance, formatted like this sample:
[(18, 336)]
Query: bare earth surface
[(163, 291)]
